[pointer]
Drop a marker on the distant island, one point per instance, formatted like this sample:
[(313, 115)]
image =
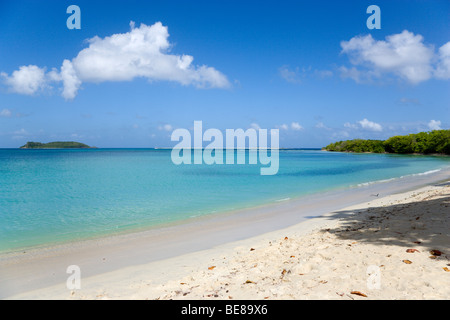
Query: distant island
[(433, 142), (56, 145)]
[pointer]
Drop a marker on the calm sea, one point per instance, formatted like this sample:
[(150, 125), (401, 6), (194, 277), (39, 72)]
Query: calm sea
[(48, 196)]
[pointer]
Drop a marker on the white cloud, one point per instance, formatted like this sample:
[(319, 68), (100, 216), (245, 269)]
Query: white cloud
[(350, 125), (321, 125), (296, 126), (255, 126), (357, 75), (403, 54), (70, 80), (364, 124), (289, 75), (434, 125), (142, 52), (369, 125), (6, 113), (27, 80), (443, 67)]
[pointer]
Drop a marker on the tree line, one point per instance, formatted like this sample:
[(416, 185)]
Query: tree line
[(436, 141)]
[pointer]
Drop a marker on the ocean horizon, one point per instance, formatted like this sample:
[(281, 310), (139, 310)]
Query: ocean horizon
[(49, 196)]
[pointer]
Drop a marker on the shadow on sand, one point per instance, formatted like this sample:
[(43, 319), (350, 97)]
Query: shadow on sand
[(423, 224)]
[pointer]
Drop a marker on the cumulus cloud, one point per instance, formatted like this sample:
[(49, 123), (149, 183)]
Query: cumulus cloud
[(369, 125), (27, 80), (443, 68), (296, 126), (365, 125), (142, 52), (434, 125), (404, 55), (70, 80)]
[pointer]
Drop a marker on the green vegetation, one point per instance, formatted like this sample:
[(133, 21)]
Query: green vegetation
[(437, 141), (55, 145)]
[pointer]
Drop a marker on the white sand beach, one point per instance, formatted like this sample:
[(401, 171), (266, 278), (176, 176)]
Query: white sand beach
[(393, 247)]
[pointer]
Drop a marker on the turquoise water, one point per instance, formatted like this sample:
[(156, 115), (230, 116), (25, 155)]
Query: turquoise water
[(48, 196)]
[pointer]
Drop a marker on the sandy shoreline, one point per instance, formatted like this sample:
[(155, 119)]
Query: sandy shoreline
[(359, 248)]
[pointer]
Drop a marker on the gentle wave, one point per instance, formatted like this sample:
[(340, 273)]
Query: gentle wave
[(401, 177), (284, 199)]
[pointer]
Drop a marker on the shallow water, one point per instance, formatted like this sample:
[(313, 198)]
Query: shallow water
[(48, 196)]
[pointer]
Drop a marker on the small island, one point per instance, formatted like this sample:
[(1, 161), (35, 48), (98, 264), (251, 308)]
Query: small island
[(56, 145), (433, 142)]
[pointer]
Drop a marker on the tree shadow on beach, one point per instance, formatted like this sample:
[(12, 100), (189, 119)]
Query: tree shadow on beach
[(423, 224)]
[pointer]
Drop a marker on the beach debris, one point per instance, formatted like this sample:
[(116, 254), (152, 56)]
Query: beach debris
[(412, 250), (211, 268), (252, 249), (249, 281), (285, 238), (358, 293), (417, 242), (435, 253), (407, 261), (446, 269), (340, 294)]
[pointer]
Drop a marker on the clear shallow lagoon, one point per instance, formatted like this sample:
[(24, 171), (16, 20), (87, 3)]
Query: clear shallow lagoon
[(47, 196)]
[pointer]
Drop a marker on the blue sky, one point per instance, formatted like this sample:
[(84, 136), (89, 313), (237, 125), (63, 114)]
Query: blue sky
[(136, 70)]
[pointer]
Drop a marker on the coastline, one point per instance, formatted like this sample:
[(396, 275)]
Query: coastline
[(114, 265)]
